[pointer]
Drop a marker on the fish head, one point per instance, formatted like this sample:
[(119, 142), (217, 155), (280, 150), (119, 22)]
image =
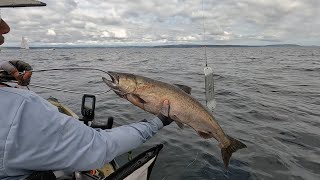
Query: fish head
[(121, 83)]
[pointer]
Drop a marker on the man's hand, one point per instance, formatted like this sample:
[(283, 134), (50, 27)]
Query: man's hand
[(23, 79), (21, 66), (164, 113)]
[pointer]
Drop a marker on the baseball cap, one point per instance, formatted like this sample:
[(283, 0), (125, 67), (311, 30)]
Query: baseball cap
[(20, 3)]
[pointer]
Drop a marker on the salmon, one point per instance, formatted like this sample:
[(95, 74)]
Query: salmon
[(149, 94)]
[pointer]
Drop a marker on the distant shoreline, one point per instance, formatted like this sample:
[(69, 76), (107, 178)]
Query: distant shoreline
[(157, 46)]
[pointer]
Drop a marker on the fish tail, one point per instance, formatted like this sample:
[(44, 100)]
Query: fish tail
[(233, 147)]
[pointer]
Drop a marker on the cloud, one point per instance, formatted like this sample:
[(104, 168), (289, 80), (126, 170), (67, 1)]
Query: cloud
[(144, 22)]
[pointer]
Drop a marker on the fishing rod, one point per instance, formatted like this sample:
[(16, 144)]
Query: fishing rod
[(10, 79), (59, 89), (63, 69)]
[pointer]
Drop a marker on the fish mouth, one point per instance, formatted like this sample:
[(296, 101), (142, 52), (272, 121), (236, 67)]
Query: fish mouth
[(114, 82)]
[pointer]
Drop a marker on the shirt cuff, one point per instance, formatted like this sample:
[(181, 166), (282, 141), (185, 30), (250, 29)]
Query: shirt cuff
[(8, 67), (157, 122)]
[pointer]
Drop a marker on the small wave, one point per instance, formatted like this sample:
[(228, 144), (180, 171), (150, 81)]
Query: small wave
[(291, 141), (288, 134), (306, 69), (226, 93), (308, 164), (67, 58), (218, 77), (252, 58)]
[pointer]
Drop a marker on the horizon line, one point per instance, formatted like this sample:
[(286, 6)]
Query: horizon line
[(160, 45)]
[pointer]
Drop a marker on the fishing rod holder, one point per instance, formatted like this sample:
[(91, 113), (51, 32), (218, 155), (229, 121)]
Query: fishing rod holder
[(104, 126)]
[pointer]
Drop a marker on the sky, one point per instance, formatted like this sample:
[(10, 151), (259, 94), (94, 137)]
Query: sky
[(163, 22)]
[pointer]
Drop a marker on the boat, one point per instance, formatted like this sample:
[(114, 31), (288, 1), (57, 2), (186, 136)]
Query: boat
[(24, 43), (139, 168)]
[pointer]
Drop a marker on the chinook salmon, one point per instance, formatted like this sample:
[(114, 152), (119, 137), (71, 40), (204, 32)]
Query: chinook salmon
[(149, 94)]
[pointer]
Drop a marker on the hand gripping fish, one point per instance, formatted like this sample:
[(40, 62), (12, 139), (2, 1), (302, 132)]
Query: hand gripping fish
[(149, 94)]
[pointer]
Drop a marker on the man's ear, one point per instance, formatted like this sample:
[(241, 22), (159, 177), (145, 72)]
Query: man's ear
[(4, 27)]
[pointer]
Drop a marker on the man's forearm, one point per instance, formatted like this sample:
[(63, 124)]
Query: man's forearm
[(128, 137), (64, 142)]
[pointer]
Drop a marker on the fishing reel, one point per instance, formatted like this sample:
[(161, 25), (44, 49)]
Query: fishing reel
[(5, 77)]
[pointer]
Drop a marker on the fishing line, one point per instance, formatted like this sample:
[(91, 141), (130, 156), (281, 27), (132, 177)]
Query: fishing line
[(204, 36), (193, 160), (63, 69), (59, 89), (73, 68), (65, 90)]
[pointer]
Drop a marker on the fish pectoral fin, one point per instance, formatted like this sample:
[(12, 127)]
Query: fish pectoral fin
[(178, 122), (185, 88), (120, 94), (204, 134), (181, 126), (136, 100)]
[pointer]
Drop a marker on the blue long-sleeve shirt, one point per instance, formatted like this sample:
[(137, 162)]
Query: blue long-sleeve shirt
[(35, 136)]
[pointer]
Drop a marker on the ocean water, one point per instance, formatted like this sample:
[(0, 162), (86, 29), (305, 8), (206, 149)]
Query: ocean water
[(267, 97)]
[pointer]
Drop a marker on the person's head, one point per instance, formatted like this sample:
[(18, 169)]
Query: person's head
[(4, 29)]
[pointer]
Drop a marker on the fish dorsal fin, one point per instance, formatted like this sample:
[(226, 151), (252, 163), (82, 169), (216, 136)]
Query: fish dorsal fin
[(185, 88), (136, 100)]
